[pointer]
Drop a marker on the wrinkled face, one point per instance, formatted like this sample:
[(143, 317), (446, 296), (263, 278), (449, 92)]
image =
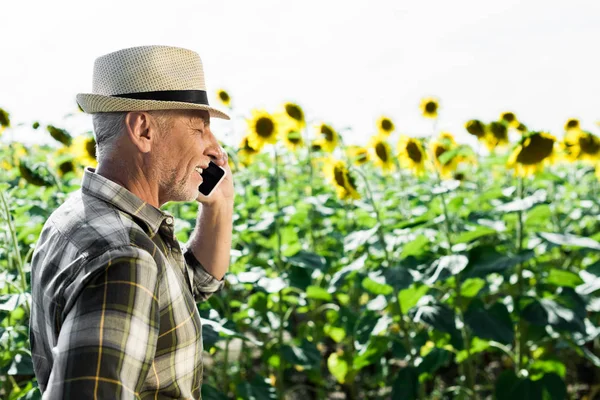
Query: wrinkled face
[(186, 146)]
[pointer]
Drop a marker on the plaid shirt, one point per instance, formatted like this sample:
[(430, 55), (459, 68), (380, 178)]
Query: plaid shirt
[(114, 312)]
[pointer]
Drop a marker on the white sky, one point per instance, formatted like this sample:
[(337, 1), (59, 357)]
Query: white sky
[(345, 62)]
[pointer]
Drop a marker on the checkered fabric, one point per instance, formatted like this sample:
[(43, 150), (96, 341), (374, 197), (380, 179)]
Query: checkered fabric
[(114, 311)]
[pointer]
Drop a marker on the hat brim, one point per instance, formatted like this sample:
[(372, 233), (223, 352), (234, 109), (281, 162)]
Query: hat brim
[(97, 103)]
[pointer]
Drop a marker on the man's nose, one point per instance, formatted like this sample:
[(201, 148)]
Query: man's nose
[(215, 152)]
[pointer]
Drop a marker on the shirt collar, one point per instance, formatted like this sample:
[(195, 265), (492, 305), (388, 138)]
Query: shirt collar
[(115, 194)]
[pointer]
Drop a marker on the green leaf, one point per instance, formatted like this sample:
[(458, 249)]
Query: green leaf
[(257, 389), (306, 356), (445, 267), (510, 387), (471, 287), (336, 333), (541, 367), (433, 361), (549, 312), (212, 393), (523, 204), (570, 240), (539, 215), (338, 367), (358, 238), (554, 387), (477, 346), (308, 260), (492, 323), (436, 315), (318, 293), (375, 284), (371, 353), (348, 271), (21, 364), (561, 277), (484, 260), (406, 384), (415, 248), (478, 232), (409, 297)]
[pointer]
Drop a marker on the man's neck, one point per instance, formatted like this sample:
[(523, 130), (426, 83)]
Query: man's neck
[(131, 178)]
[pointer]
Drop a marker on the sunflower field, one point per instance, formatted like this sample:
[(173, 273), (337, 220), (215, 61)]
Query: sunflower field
[(414, 267)]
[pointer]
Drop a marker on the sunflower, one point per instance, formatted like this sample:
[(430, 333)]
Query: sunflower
[(381, 152), (357, 154), (497, 135), (510, 118), (522, 129), (60, 135), (223, 97), (476, 128), (328, 137), (246, 152), (429, 107), (572, 123), (337, 173), (292, 139), (263, 129), (445, 142), (581, 145), (385, 126), (4, 120), (533, 151), (80, 154), (411, 154), (316, 146), (295, 114)]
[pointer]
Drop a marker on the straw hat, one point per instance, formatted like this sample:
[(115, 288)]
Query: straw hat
[(148, 78)]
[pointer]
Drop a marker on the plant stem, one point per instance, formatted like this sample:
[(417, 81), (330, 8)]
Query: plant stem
[(403, 327), (377, 215), (280, 373), (19, 260), (520, 327), (278, 208)]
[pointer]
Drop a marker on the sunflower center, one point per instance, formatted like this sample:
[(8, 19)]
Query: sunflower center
[(90, 147), (414, 152), (572, 123), (439, 150), (499, 130), (361, 156), (508, 117), (538, 148), (224, 96), (381, 152), (430, 107), (338, 174), (66, 167), (351, 181), (589, 144), (265, 127), (294, 139), (476, 128), (294, 112), (386, 125), (327, 132)]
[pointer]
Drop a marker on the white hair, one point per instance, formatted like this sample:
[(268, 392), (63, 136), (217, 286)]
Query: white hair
[(108, 126)]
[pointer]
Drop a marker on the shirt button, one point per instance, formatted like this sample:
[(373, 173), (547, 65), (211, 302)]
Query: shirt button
[(169, 220)]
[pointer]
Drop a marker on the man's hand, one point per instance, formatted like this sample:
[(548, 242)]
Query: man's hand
[(224, 193)]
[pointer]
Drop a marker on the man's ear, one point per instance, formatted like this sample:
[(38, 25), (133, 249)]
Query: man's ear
[(140, 130)]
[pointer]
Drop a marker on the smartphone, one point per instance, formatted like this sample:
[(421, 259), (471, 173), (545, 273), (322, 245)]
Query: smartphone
[(211, 177)]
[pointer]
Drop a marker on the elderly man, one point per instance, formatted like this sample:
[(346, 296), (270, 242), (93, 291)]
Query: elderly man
[(114, 311)]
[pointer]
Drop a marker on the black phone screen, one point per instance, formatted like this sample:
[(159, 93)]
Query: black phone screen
[(211, 176)]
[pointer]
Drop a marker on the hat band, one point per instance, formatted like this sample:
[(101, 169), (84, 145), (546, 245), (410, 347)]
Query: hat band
[(185, 96)]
